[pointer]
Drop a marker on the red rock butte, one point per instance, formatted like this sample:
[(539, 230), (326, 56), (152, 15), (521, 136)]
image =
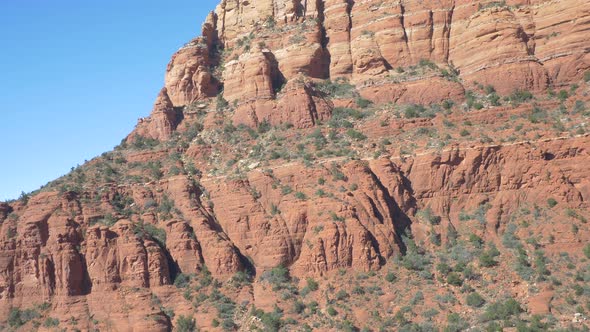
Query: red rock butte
[(331, 165)]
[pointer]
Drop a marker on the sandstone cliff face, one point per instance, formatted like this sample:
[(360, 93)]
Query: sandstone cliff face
[(263, 44), (50, 253), (161, 123), (282, 138)]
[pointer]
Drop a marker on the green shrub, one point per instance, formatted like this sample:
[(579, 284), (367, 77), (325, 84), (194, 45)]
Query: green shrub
[(339, 88), (414, 259), (185, 324), (418, 298), (551, 202), (390, 277), (277, 276), (520, 96), (182, 280), (141, 143), (427, 63), (166, 205), (455, 323), (146, 230), (51, 322), (486, 259), (443, 268), (502, 310), (578, 290), (475, 300), (587, 76), (494, 99), (18, 318), (241, 278), (264, 126), (336, 217), (541, 265), (464, 132), (312, 285), (331, 311), (414, 111), (286, 190), (475, 240), (274, 210), (579, 107), (454, 279), (221, 104), (298, 307), (301, 196), (586, 251), (337, 174), (356, 135), (448, 104), (228, 324), (363, 103), (428, 216), (493, 4)]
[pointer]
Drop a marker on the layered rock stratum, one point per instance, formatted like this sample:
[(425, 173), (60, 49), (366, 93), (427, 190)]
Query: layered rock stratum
[(331, 165)]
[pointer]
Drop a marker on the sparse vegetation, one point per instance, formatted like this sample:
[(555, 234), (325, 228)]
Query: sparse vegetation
[(185, 324), (475, 300)]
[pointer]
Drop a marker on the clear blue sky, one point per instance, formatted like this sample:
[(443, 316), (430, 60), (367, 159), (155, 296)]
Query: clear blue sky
[(76, 75)]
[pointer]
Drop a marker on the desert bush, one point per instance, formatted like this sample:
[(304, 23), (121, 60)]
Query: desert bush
[(51, 322), (520, 96), (18, 317), (341, 295), (221, 104), (185, 324), (487, 258), (182, 280), (428, 216), (493, 4), (356, 135), (331, 311), (339, 88), (443, 268), (277, 276), (301, 196), (414, 111), (501, 310), (390, 277), (475, 300), (362, 102), (455, 323), (454, 279), (141, 143), (144, 230)]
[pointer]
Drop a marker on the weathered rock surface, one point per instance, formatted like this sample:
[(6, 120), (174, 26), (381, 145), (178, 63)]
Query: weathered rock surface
[(107, 252)]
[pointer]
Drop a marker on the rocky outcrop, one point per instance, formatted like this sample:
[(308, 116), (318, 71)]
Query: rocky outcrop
[(211, 201), (118, 258), (217, 251), (188, 76), (512, 173), (251, 49), (363, 40), (161, 123), (298, 104)]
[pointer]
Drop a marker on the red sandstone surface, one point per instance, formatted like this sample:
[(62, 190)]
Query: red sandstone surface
[(331, 165)]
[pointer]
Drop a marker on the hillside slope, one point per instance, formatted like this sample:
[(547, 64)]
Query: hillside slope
[(331, 165)]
